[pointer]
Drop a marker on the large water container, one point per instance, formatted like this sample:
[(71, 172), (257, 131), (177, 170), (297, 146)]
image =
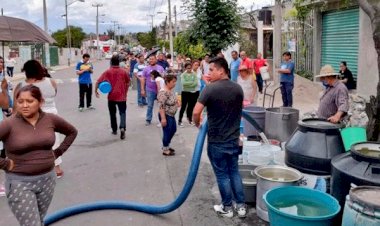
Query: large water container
[(298, 206), (362, 207), (258, 114), (280, 123)]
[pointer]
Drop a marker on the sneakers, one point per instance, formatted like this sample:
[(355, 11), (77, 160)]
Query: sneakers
[(80, 109), (114, 132), (159, 125), (181, 124), (122, 134), (147, 123), (224, 211), (241, 210), (90, 107)]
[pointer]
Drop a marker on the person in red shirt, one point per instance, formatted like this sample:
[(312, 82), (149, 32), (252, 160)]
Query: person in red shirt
[(246, 61), (258, 63), (119, 80)]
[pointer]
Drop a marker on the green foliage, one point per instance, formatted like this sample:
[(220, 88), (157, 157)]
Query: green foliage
[(182, 46), (77, 36), (302, 9), (305, 74), (147, 39), (216, 23), (247, 45), (164, 43)]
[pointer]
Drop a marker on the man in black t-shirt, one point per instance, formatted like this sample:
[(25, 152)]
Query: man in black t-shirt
[(346, 75), (224, 101)]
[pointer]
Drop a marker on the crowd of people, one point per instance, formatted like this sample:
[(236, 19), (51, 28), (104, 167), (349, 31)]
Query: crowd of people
[(192, 86)]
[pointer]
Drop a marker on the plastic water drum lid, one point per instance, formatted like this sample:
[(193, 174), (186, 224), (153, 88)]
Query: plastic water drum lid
[(366, 199), (105, 87)]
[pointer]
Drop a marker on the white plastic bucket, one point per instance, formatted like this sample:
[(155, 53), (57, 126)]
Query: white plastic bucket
[(264, 73), (259, 157), (249, 146), (272, 149)]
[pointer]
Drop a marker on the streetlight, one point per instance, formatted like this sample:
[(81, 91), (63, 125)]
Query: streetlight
[(97, 5), (68, 29)]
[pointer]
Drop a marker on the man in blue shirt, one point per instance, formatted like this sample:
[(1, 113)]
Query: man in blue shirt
[(234, 65), (84, 71), (162, 62), (287, 79)]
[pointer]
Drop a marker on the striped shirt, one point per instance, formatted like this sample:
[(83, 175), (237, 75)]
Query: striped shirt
[(334, 99)]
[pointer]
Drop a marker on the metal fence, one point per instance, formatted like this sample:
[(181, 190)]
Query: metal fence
[(299, 44)]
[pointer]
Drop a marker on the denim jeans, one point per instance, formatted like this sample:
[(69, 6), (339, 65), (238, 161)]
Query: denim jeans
[(287, 95), (122, 106), (169, 130), (151, 97), (224, 161), (140, 99)]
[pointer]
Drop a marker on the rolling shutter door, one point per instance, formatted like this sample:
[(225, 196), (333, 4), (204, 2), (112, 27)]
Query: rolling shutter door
[(340, 39)]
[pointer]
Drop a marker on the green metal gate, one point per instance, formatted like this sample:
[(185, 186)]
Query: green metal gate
[(340, 38), (54, 60)]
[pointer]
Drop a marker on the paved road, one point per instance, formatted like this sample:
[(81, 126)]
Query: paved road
[(99, 166)]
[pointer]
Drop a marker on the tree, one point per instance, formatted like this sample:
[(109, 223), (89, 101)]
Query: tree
[(216, 23), (147, 39), (77, 36), (372, 9), (182, 46), (111, 34)]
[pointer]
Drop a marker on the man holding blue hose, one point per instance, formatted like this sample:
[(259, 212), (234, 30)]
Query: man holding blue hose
[(224, 115)]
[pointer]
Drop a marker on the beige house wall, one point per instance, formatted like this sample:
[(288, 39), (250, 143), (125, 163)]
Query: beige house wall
[(368, 71)]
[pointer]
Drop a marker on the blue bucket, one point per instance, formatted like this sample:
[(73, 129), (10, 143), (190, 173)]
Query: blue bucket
[(299, 206), (105, 87)]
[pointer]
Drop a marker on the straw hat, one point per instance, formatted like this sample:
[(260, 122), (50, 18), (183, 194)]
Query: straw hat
[(327, 71)]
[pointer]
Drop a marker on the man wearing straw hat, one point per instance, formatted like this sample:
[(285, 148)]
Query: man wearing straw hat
[(333, 104)]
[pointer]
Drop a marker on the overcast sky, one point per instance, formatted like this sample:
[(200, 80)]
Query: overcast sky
[(132, 15)]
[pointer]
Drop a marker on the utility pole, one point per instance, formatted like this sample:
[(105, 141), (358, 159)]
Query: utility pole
[(170, 30), (151, 15), (68, 35), (277, 39), (97, 5), (114, 30), (175, 21), (118, 29), (46, 46), (166, 37)]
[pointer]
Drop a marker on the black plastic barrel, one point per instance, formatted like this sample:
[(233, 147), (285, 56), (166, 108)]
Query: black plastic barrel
[(313, 145), (350, 169)]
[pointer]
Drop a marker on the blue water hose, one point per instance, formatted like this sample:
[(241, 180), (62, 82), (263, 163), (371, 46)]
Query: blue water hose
[(140, 207)]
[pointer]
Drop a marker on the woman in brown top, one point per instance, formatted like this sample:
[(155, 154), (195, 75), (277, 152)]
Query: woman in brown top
[(28, 138), (168, 104)]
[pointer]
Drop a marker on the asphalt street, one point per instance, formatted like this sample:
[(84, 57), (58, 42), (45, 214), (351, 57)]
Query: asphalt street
[(99, 166)]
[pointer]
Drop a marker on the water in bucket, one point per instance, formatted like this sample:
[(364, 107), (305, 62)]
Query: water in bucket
[(301, 207)]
